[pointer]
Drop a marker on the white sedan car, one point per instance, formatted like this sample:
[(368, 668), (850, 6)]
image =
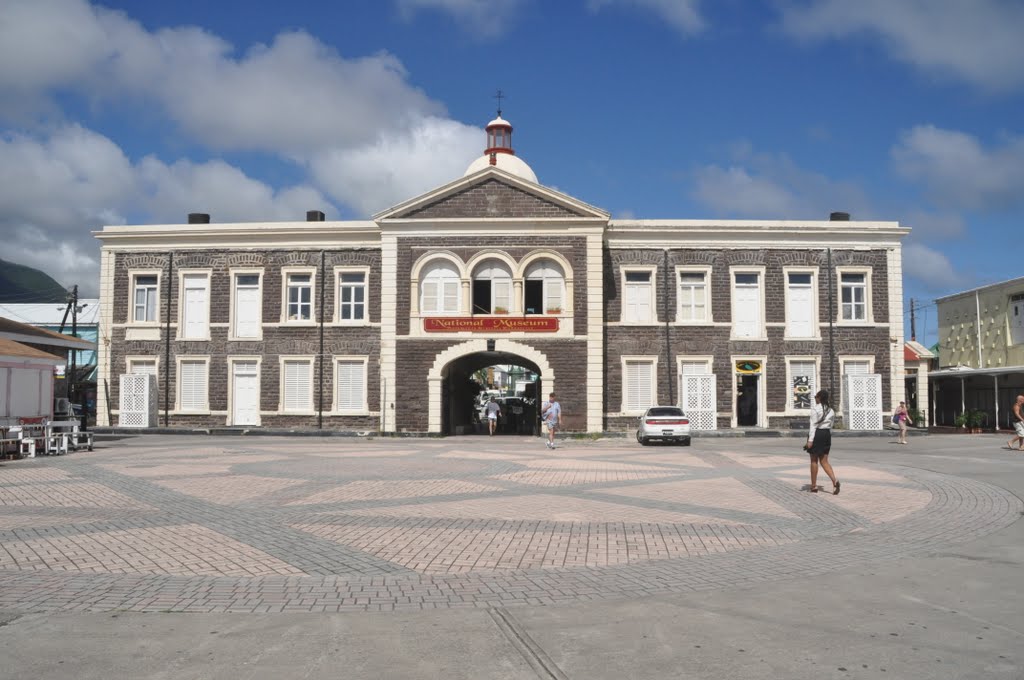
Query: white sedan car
[(667, 423)]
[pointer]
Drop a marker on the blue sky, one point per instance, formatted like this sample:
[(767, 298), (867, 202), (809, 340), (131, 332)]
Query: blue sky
[(140, 112)]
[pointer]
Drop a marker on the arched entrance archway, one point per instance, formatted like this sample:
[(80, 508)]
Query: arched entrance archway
[(472, 355)]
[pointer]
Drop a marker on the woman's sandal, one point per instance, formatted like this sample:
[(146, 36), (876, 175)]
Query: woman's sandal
[(814, 489), (835, 488)]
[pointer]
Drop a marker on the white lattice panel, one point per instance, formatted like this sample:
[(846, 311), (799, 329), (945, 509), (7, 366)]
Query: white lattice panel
[(863, 399), (700, 401), (138, 400)]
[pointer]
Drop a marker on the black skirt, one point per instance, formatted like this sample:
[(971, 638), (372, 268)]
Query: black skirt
[(821, 444)]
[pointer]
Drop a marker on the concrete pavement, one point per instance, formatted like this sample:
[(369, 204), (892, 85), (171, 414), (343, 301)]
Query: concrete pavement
[(497, 558)]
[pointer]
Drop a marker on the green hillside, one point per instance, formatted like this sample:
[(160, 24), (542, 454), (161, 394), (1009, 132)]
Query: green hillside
[(19, 283)]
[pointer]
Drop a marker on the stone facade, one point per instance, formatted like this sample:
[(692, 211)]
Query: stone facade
[(493, 214)]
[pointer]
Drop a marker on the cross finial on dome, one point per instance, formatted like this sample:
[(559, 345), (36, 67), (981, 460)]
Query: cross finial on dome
[(499, 96)]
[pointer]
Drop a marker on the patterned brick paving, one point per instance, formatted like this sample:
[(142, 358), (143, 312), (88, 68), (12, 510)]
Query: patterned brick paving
[(267, 524)]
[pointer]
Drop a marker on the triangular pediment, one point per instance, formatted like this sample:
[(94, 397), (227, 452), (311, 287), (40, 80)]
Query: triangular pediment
[(492, 193)]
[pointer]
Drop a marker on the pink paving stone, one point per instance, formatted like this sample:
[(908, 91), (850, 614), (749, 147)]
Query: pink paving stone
[(67, 495), (481, 455), (32, 475), (374, 490), (851, 472), (8, 522), (552, 478), (879, 504), (580, 464), (676, 458), (766, 461), (725, 493), (372, 453), (537, 507), (183, 550), (228, 489), (191, 469)]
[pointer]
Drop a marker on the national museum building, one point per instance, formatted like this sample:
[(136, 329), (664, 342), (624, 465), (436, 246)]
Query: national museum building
[(378, 325)]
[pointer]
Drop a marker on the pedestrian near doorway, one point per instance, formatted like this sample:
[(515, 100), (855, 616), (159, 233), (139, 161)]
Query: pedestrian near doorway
[(819, 440), (493, 411), (552, 415), (1018, 424), (902, 420)]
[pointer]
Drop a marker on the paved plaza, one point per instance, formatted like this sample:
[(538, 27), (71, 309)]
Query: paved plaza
[(500, 528)]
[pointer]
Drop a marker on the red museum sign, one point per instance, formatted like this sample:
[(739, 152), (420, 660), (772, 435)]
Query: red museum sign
[(490, 324)]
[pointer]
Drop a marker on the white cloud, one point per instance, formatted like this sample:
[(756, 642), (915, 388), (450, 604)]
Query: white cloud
[(294, 96), (957, 170), (932, 269), (772, 186), (977, 41), (395, 167), (55, 191), (682, 15), (482, 17)]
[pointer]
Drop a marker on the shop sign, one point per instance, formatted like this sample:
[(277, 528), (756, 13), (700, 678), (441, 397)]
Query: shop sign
[(490, 324)]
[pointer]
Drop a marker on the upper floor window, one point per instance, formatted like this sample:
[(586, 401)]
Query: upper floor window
[(492, 288), (352, 296), (146, 300), (544, 288), (247, 300), (638, 296), (195, 306), (854, 295), (800, 317), (440, 289), (746, 312), (299, 296), (693, 297)]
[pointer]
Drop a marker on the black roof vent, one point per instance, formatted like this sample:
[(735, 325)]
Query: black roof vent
[(839, 217), (199, 218), (314, 216)]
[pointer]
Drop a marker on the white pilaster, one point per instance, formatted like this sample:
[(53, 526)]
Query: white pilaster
[(595, 332), (388, 329), (894, 262), (103, 341)]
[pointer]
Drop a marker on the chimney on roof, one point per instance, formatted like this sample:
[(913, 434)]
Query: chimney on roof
[(199, 218), (839, 217), (314, 216)]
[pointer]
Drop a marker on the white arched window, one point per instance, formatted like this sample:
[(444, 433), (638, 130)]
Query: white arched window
[(544, 288), (439, 289), (492, 288)]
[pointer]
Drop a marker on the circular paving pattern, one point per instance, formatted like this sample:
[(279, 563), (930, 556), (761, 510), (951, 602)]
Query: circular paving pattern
[(207, 524)]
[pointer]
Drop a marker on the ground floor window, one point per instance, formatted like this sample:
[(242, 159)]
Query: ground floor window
[(638, 385), (350, 385)]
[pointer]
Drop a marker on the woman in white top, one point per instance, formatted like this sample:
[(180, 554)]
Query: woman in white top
[(819, 440)]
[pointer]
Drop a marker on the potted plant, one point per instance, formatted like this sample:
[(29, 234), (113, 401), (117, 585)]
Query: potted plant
[(961, 420), (975, 419), (500, 310)]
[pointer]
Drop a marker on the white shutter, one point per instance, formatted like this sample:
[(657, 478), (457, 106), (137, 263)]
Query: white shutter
[(694, 367), (800, 305), (4, 379), (429, 297), (192, 389), (451, 296), (747, 315), (146, 367), (298, 381), (856, 367), (553, 294), (502, 292), (247, 312), (638, 302), (196, 306), (351, 385), (639, 383)]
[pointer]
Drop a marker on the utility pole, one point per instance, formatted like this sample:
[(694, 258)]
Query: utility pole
[(913, 325), (74, 352)]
